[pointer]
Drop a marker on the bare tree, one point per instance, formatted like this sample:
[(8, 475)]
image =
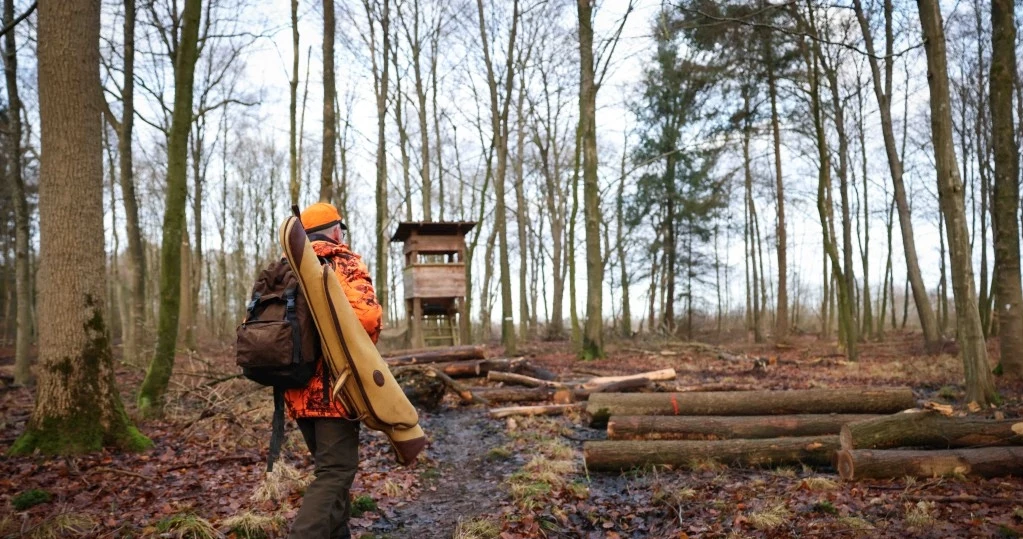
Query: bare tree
[(16, 181), (883, 93), (979, 386)]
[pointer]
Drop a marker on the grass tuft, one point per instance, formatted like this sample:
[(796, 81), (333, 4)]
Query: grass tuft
[(706, 465), (279, 483), (817, 483), (499, 453), (854, 523), (187, 526), (671, 496), (920, 516), (64, 525), (476, 528), (769, 519), (250, 525)]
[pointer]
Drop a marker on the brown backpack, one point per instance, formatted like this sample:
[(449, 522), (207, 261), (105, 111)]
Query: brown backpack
[(278, 345)]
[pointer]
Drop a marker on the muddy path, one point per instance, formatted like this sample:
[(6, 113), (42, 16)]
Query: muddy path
[(460, 478)]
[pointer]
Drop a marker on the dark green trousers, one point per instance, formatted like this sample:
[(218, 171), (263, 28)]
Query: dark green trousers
[(334, 444)]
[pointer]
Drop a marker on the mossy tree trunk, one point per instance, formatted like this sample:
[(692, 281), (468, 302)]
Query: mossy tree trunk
[(151, 394), (78, 408), (23, 280)]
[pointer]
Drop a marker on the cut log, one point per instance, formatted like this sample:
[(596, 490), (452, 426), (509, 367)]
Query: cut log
[(930, 429), (653, 427), (622, 455), (652, 376), (807, 401), (521, 379), (436, 355), (854, 464), (480, 367), (551, 409), (513, 394)]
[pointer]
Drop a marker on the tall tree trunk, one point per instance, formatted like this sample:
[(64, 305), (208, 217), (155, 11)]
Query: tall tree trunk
[(16, 180), (399, 120), (868, 314), (928, 322), (522, 218), (781, 328), (151, 394), (1006, 188), (851, 325), (593, 337), (626, 330), (78, 407), (979, 386), (294, 185), (132, 350), (499, 125), (753, 288), (380, 83), (329, 118), (416, 42)]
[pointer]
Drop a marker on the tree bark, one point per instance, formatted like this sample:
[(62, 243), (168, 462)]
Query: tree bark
[(856, 464), (151, 394), (928, 322), (972, 348), (930, 429), (649, 427), (78, 408), (1006, 189), (804, 401), (622, 455), (16, 181), (480, 367), (380, 83)]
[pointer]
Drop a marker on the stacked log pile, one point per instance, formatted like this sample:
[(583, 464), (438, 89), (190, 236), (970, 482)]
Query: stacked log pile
[(754, 428), (928, 443), (422, 372)]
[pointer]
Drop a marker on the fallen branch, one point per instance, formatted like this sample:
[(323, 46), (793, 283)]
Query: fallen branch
[(521, 379), (552, 409), (467, 395), (651, 376)]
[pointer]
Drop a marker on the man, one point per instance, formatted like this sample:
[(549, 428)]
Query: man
[(332, 438)]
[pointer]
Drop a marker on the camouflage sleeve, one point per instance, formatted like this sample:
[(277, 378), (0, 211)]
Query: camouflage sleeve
[(358, 287)]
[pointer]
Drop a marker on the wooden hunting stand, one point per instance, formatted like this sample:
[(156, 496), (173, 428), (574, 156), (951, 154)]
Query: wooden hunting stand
[(435, 284)]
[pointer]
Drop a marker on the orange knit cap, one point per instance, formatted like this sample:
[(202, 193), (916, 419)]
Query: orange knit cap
[(320, 216)]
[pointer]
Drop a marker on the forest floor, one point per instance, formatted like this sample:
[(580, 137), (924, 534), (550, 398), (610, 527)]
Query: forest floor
[(509, 478)]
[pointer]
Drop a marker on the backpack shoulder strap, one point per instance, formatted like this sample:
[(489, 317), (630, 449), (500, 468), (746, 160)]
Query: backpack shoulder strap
[(277, 432)]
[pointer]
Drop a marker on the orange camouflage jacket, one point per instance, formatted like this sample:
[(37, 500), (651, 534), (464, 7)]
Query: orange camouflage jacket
[(358, 287)]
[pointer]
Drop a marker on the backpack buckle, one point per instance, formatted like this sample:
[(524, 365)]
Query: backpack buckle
[(252, 304), (289, 296)]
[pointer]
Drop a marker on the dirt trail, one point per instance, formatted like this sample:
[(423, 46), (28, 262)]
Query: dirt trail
[(466, 482)]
